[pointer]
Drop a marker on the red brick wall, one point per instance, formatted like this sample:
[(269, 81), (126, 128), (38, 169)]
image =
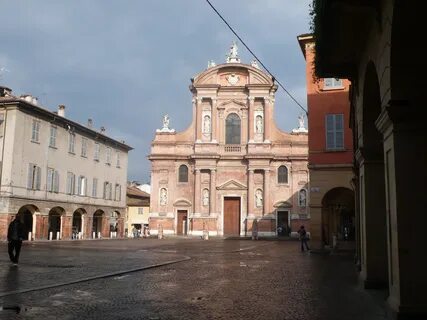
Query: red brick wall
[(5, 220), (66, 227), (197, 224), (88, 227), (167, 224)]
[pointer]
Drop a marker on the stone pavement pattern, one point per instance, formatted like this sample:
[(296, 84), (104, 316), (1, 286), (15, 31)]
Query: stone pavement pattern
[(216, 279)]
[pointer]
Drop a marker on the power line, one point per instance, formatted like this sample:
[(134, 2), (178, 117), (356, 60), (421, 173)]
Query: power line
[(254, 55)]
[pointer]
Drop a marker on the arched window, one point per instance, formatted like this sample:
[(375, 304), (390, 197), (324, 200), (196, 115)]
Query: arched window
[(282, 174), (232, 129), (183, 173)]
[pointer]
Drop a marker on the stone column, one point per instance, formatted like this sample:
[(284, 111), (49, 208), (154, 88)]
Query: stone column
[(266, 191), (214, 116), (199, 121), (212, 197), (268, 117), (251, 119), (251, 194), (197, 191)]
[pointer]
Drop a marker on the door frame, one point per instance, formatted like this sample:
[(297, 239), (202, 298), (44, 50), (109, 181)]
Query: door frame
[(277, 217), (187, 223), (240, 213)]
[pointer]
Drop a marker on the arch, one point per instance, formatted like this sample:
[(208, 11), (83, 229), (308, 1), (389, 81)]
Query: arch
[(28, 217), (232, 129), (282, 174), (98, 217), (183, 173), (77, 223), (338, 215), (114, 221), (55, 223)]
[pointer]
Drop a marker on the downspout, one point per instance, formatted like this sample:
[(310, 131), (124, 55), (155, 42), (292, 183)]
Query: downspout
[(2, 150)]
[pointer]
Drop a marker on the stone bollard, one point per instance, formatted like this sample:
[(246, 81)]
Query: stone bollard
[(205, 235), (58, 236), (160, 231), (30, 236), (93, 235), (50, 235), (99, 235)]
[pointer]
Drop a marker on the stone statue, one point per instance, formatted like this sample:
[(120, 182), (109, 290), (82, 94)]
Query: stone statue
[(163, 197), (301, 121), (258, 198), (205, 197), (258, 124), (233, 55), (166, 121), (207, 124), (211, 64), (233, 50), (302, 198), (254, 64)]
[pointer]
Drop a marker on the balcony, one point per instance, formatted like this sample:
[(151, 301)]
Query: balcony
[(232, 148)]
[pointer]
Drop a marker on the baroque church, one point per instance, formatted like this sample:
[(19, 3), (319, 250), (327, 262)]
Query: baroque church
[(232, 170)]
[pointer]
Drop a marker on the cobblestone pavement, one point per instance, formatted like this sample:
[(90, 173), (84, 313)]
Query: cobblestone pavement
[(214, 279)]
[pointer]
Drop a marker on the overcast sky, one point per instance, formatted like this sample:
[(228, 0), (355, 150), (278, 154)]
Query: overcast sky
[(126, 63)]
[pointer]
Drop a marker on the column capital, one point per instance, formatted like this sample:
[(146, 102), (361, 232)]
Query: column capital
[(251, 171), (197, 170), (251, 98), (213, 170), (199, 99)]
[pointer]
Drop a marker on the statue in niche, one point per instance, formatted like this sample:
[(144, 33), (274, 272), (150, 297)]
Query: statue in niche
[(258, 124), (163, 197), (258, 198), (205, 197), (302, 198), (207, 124), (166, 121)]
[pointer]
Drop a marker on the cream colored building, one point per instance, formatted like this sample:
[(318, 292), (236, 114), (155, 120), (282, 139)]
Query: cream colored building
[(232, 168), (138, 209), (68, 180)]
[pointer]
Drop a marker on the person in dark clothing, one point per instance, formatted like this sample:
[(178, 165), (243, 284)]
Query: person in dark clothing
[(15, 235), (303, 237)]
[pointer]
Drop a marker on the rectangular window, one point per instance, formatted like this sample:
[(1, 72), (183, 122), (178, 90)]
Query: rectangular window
[(94, 187), (107, 190), (96, 153), (84, 147), (71, 178), (35, 131), (34, 177), (334, 131), (108, 156), (52, 182), (71, 142), (140, 210), (118, 159), (332, 83), (117, 192), (52, 139), (81, 186)]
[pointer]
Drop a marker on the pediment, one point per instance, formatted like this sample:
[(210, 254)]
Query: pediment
[(232, 185), (283, 204), (232, 101), (182, 203)]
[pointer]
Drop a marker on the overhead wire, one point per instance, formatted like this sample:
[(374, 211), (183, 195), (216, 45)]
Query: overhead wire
[(255, 56)]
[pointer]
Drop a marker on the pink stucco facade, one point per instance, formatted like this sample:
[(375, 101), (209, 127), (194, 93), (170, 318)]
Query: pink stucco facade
[(220, 173)]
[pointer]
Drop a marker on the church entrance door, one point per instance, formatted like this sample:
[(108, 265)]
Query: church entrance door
[(231, 216), (181, 227)]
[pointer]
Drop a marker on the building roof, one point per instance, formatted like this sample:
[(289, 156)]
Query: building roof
[(32, 108), (136, 197)]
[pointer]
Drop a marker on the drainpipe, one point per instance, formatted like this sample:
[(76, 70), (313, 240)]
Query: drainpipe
[(2, 151)]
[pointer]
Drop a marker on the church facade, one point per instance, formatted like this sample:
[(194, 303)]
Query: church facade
[(232, 171)]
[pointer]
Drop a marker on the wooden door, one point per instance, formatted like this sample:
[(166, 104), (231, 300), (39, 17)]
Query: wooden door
[(181, 227), (232, 216)]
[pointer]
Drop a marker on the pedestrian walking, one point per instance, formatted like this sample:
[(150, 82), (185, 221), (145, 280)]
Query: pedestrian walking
[(303, 238), (15, 235)]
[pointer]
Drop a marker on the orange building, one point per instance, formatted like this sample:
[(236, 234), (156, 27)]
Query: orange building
[(330, 155)]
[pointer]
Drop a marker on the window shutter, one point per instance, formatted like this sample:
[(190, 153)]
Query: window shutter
[(330, 143), (30, 176), (79, 186), (56, 182), (38, 177), (104, 195), (73, 183), (49, 186)]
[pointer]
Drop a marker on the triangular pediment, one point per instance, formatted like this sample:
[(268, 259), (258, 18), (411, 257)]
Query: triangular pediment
[(232, 185), (283, 204)]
